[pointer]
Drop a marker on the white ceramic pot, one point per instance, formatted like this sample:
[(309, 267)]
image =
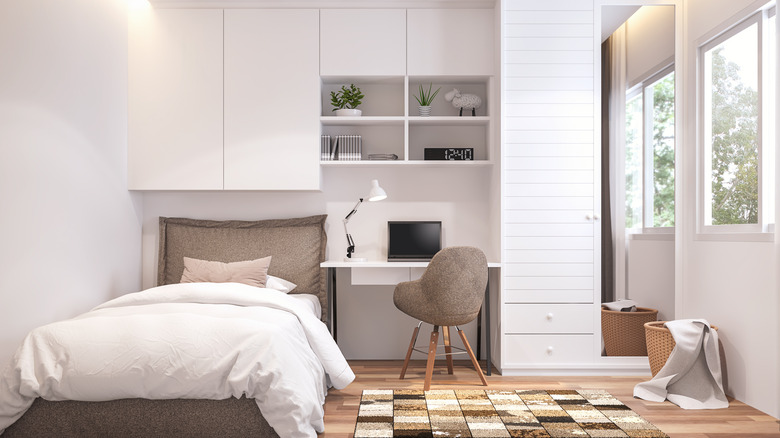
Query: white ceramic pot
[(348, 112), (425, 111)]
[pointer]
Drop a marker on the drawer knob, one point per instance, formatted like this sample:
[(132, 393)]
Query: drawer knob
[(550, 350), (549, 316)]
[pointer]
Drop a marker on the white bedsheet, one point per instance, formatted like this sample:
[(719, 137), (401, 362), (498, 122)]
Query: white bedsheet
[(193, 340)]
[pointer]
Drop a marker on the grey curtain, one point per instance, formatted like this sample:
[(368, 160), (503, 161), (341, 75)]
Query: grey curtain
[(607, 256)]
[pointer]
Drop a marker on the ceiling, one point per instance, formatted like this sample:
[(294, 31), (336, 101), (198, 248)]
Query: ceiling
[(613, 16)]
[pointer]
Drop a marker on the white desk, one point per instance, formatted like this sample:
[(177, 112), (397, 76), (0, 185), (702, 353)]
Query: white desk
[(332, 265)]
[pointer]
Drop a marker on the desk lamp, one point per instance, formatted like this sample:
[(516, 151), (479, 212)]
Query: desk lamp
[(375, 194)]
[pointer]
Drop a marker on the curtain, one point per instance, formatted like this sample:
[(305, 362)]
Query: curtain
[(607, 246), (613, 134)]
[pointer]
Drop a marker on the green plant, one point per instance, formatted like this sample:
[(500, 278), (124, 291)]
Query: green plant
[(423, 97), (348, 98)]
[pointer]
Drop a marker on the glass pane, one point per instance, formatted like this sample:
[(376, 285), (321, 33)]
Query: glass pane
[(634, 162), (731, 126), (662, 93)]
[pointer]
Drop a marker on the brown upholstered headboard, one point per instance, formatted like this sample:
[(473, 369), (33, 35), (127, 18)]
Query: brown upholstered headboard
[(297, 247)]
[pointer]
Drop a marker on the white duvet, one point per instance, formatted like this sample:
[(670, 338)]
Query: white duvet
[(192, 340)]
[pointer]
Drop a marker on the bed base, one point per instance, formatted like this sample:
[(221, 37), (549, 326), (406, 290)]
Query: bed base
[(142, 418)]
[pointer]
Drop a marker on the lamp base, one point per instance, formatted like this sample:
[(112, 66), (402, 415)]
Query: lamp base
[(355, 259)]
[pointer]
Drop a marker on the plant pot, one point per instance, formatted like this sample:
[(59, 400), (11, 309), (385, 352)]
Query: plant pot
[(425, 111), (348, 112)]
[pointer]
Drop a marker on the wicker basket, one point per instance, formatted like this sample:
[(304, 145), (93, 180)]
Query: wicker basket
[(624, 333), (660, 344)]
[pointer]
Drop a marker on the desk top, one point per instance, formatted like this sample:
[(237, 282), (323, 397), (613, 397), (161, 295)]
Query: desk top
[(381, 264)]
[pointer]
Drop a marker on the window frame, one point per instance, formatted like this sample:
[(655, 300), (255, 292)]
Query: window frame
[(764, 229), (641, 89)]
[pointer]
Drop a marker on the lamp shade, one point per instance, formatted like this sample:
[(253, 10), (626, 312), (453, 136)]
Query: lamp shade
[(376, 193)]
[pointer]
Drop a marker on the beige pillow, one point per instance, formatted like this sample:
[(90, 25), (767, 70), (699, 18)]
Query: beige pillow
[(251, 272)]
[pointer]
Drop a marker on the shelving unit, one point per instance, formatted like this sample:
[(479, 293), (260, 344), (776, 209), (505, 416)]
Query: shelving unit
[(390, 122)]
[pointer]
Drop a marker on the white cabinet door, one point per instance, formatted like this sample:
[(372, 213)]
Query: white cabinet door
[(272, 99), (450, 42), (175, 99), (362, 42)]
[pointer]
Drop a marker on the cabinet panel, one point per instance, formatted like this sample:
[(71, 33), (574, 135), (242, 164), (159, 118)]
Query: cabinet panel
[(362, 42), (549, 318), (272, 99), (175, 99), (547, 349), (450, 41)]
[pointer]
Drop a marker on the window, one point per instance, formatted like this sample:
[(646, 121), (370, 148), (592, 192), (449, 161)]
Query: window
[(737, 118), (649, 154)]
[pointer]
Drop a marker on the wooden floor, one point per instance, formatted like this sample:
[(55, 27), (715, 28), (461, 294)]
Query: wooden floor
[(739, 420)]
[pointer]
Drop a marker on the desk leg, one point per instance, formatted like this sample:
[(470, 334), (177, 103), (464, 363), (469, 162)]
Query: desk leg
[(487, 326), (332, 302), (486, 309)]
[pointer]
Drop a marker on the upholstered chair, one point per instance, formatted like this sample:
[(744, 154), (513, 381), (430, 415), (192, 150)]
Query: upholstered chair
[(449, 293)]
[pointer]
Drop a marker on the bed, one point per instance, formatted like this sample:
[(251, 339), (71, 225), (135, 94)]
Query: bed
[(253, 328)]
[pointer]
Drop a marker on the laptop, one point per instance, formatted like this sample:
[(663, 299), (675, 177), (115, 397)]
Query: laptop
[(413, 241)]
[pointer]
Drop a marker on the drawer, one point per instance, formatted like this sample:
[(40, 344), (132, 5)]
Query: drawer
[(548, 296), (547, 349), (374, 276), (548, 318)]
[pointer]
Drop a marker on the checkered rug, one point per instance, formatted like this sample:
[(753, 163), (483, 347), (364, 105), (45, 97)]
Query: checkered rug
[(493, 413)]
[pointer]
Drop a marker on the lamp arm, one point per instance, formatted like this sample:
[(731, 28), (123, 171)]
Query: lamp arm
[(350, 242)]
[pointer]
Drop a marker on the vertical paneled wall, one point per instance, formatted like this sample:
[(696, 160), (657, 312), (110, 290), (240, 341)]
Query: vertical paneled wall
[(550, 252)]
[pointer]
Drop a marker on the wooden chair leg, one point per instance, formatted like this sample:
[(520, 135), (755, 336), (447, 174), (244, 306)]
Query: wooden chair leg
[(431, 357), (411, 348), (473, 358), (447, 348)]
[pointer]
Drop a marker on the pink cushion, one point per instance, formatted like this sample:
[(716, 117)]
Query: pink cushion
[(251, 272)]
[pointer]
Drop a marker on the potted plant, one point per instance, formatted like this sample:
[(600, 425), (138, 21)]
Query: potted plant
[(425, 98), (346, 101)]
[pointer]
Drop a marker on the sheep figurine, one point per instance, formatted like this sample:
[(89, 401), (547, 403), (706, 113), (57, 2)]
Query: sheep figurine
[(468, 101)]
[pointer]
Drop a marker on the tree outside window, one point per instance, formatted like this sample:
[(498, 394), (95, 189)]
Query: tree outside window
[(732, 116)]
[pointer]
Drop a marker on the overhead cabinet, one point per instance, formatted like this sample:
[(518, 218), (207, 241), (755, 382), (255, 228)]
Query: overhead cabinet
[(175, 99), (363, 42), (272, 104), (262, 129), (450, 42)]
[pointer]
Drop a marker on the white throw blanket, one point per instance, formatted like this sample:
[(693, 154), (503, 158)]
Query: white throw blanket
[(691, 377), (192, 340)]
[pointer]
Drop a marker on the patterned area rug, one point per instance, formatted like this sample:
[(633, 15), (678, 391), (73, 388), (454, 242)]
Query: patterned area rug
[(493, 413)]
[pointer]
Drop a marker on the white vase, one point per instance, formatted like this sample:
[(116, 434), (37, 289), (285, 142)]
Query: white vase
[(348, 112), (425, 111)]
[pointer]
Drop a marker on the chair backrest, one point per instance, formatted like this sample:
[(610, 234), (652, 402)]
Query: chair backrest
[(455, 281)]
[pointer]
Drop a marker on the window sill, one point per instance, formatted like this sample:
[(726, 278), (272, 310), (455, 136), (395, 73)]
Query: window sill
[(735, 237), (652, 236)]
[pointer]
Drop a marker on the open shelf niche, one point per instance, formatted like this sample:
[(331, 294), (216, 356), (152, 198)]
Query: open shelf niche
[(391, 124)]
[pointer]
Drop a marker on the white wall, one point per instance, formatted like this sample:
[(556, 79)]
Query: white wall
[(69, 230), (732, 284), (650, 267), (370, 327)]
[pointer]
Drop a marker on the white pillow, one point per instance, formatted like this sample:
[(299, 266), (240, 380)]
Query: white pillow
[(279, 284)]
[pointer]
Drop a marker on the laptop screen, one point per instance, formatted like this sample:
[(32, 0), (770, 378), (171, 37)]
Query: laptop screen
[(413, 240)]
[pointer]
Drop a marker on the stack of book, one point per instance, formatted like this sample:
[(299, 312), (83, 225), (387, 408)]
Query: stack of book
[(341, 148)]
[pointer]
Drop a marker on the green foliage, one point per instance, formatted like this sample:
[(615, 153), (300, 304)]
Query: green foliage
[(634, 162), (663, 152), (425, 98), (734, 145), (347, 98)]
